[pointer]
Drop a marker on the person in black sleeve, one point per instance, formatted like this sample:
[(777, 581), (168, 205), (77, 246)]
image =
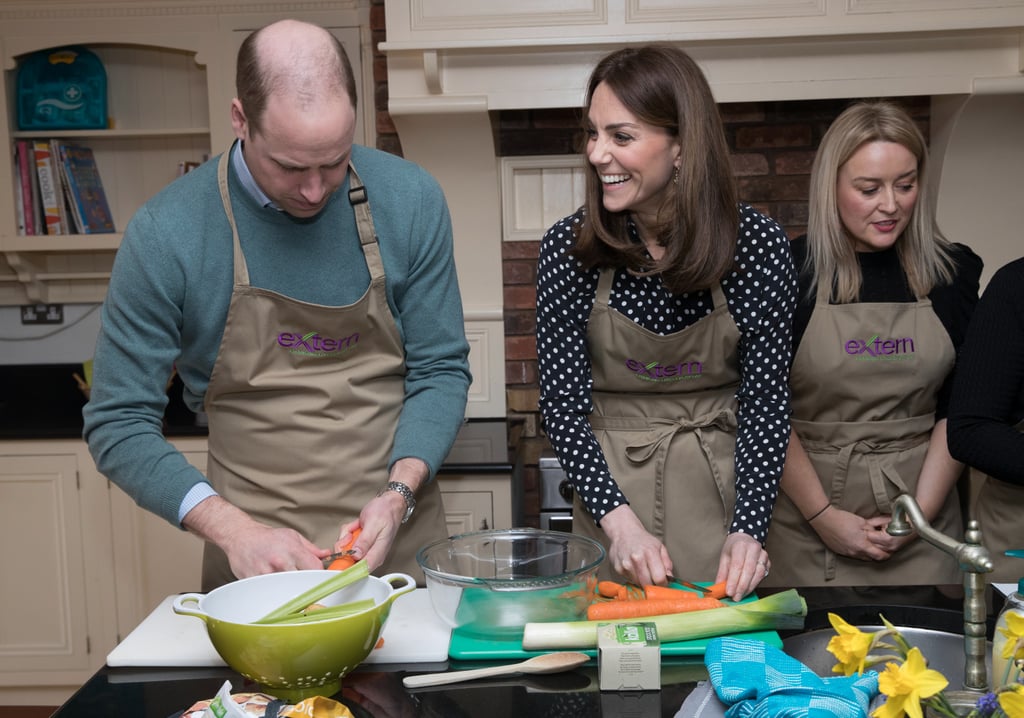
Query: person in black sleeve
[(986, 416), (664, 309), (884, 304)]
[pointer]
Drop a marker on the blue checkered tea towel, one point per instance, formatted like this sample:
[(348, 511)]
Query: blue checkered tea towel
[(759, 681)]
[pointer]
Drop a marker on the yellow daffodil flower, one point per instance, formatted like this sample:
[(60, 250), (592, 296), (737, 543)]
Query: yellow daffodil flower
[(1014, 632), (1012, 703), (906, 685), (850, 646)]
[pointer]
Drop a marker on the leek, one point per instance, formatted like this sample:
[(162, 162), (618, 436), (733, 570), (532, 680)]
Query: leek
[(356, 572), (780, 611)]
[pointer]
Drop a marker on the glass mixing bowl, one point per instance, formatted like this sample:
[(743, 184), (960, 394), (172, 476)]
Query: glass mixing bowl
[(492, 583)]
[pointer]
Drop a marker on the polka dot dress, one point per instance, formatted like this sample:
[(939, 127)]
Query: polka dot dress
[(760, 295)]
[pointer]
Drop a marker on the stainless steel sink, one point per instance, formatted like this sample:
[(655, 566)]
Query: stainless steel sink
[(943, 650)]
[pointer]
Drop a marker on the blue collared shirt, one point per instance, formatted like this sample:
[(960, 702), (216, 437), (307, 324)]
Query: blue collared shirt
[(246, 178)]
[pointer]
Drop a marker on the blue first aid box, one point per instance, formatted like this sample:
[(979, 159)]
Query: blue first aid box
[(62, 89)]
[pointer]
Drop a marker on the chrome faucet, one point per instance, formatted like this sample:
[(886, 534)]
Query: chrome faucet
[(974, 560)]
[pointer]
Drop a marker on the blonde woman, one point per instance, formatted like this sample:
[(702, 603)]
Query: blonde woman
[(883, 308)]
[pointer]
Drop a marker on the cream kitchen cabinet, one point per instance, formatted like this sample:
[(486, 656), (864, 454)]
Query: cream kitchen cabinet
[(153, 559), (474, 502), (59, 618), (82, 565)]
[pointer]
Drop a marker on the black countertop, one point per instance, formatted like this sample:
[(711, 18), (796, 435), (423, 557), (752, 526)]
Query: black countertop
[(376, 690), (43, 401)]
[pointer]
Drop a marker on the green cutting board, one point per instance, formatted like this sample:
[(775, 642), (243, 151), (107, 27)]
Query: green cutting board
[(473, 647)]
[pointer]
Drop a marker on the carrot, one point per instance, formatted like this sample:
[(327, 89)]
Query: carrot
[(341, 563), (608, 589), (638, 608), (679, 594), (629, 592), (716, 590), (348, 560)]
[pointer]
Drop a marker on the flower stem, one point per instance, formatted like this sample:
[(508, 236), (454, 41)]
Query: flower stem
[(941, 705)]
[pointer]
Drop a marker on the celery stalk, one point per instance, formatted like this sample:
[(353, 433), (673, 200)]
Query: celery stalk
[(784, 610), (356, 572), (322, 614)]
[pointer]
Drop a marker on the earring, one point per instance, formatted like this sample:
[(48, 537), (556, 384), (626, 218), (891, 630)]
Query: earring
[(675, 175)]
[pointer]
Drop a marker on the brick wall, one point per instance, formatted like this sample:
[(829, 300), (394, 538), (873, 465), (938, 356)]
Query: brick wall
[(772, 144)]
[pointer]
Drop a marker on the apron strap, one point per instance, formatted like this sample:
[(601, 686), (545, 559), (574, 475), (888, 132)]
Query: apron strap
[(360, 202), (241, 274), (604, 288), (654, 444), (879, 470)]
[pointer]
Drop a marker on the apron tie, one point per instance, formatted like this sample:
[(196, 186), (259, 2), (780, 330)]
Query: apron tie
[(655, 444), (880, 469)]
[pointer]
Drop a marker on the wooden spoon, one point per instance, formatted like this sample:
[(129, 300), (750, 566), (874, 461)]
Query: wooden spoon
[(547, 663)]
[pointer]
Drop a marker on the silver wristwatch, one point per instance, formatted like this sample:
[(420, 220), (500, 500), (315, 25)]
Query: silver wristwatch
[(406, 492)]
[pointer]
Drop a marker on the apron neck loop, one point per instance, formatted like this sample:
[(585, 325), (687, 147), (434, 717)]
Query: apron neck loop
[(241, 270), (360, 202), (604, 287)]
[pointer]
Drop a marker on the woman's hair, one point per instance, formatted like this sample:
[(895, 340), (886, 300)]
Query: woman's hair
[(699, 217), (923, 251)]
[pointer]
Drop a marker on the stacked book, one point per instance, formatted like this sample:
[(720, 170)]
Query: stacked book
[(59, 189)]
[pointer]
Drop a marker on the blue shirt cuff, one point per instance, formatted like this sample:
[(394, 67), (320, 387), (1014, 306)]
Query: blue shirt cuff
[(197, 493)]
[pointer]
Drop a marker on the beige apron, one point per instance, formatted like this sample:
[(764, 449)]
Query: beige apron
[(665, 416), (303, 404), (996, 505), (864, 382)]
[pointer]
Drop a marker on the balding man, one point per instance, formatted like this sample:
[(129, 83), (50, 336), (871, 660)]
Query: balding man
[(304, 289)]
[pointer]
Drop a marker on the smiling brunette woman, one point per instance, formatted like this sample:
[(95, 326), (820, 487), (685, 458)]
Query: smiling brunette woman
[(884, 306), (663, 334)]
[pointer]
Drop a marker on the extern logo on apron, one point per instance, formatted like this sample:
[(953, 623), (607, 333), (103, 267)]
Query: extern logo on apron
[(656, 371), (312, 344), (875, 349)]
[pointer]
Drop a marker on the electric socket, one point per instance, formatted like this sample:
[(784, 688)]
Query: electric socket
[(42, 314)]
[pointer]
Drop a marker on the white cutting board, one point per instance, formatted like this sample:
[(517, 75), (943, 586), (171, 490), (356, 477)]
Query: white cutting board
[(413, 634)]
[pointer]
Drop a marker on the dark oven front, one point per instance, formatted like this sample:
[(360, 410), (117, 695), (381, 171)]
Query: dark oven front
[(555, 495)]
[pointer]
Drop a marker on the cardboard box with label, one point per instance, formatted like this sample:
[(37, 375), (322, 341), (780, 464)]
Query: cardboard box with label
[(628, 657)]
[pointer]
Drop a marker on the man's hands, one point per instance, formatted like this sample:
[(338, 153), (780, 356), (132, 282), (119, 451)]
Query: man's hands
[(381, 517), (255, 548), (252, 548)]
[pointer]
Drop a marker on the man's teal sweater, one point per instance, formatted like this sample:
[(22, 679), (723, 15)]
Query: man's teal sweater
[(172, 282)]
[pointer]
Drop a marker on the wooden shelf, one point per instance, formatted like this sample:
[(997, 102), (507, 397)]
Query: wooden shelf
[(112, 134), (62, 243)]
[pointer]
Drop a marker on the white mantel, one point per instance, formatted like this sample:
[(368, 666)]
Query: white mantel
[(451, 62)]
